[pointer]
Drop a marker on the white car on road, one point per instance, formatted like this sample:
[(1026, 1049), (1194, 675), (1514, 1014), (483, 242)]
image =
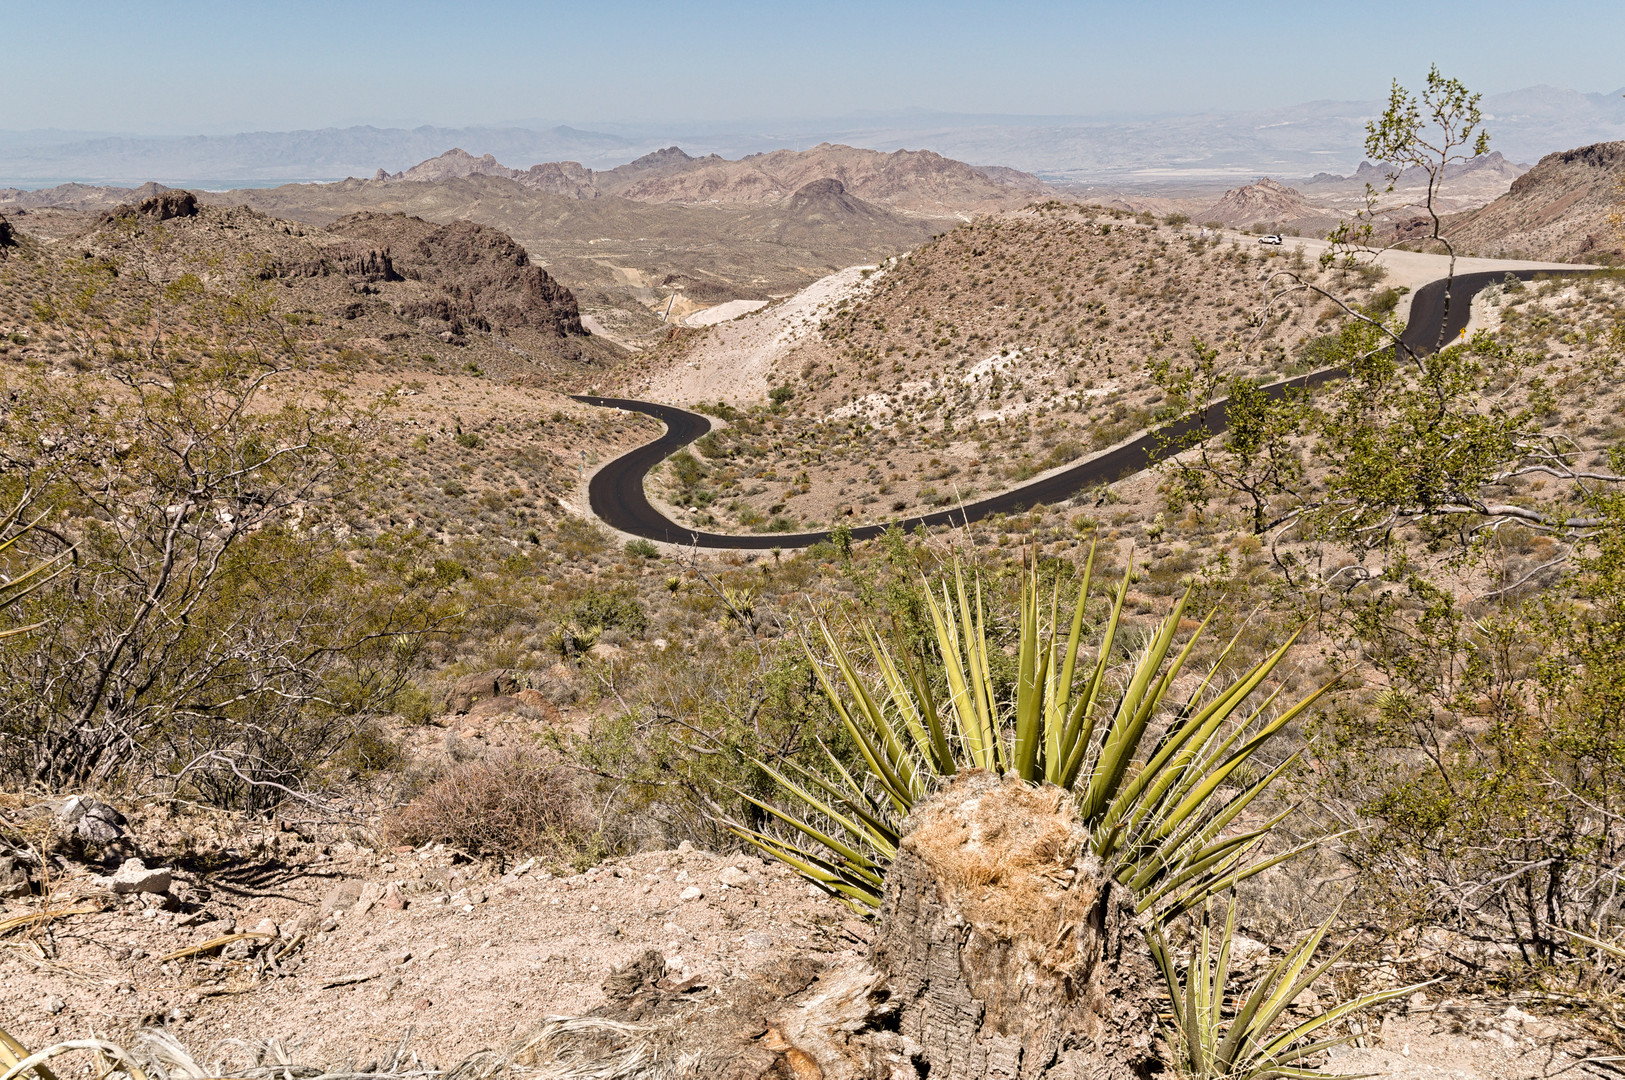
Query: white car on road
[(1272, 238)]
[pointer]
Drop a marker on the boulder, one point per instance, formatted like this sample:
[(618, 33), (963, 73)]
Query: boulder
[(134, 876), (90, 820), (340, 898), (500, 705), (468, 691), (14, 879)]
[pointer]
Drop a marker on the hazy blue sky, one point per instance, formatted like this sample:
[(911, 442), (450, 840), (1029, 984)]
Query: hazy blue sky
[(183, 67)]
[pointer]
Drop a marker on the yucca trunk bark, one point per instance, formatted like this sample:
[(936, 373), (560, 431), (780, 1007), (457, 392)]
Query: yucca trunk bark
[(1006, 949)]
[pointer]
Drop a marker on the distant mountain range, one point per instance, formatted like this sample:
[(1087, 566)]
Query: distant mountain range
[(917, 181), (1208, 149)]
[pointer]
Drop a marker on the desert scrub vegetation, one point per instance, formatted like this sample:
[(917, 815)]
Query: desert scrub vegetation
[(1452, 523), (204, 629), (501, 805), (1005, 347)]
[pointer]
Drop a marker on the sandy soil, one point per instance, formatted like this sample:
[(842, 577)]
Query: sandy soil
[(473, 959), (723, 312), (733, 364), (459, 957)]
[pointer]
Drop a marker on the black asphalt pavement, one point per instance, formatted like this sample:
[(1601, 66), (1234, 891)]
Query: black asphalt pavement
[(616, 491)]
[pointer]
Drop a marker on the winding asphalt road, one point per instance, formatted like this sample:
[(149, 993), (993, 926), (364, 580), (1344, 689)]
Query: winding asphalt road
[(616, 491)]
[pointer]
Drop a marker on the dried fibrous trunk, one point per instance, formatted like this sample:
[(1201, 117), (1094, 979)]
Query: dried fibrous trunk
[(1004, 952), (1007, 950)]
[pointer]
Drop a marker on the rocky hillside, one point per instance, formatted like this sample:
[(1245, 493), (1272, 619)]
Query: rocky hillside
[(76, 196), (483, 277), (1557, 210), (1271, 206), (917, 181), (402, 287), (1005, 348)]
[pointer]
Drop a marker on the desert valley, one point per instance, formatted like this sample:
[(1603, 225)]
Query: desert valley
[(816, 612)]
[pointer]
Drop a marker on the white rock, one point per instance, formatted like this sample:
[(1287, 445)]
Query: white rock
[(734, 877), (685, 847), (134, 877), (693, 892)]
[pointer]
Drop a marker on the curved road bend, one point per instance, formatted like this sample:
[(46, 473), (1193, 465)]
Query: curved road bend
[(616, 491)]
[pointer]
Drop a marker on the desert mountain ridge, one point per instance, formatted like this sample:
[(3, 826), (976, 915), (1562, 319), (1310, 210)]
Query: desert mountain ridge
[(1493, 163), (1559, 209), (916, 181)]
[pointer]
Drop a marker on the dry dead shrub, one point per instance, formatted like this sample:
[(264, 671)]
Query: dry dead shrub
[(512, 804)]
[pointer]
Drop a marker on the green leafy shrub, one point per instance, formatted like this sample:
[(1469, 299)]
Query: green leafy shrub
[(606, 609)]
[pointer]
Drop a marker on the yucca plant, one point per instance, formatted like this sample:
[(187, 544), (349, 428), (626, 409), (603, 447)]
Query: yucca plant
[(1158, 822), (1247, 1040)]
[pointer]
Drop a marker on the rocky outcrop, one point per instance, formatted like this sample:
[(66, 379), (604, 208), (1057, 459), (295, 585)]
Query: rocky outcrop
[(568, 178), (478, 275), (164, 206), (169, 204), (470, 690), (1270, 204), (454, 163)]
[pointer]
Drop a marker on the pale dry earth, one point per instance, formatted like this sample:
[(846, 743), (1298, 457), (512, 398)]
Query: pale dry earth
[(734, 363)]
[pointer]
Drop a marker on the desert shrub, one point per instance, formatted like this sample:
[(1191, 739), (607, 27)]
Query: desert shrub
[(197, 639), (413, 705), (1383, 303), (580, 538), (515, 804), (610, 609), (1486, 756), (642, 549), (368, 750)]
